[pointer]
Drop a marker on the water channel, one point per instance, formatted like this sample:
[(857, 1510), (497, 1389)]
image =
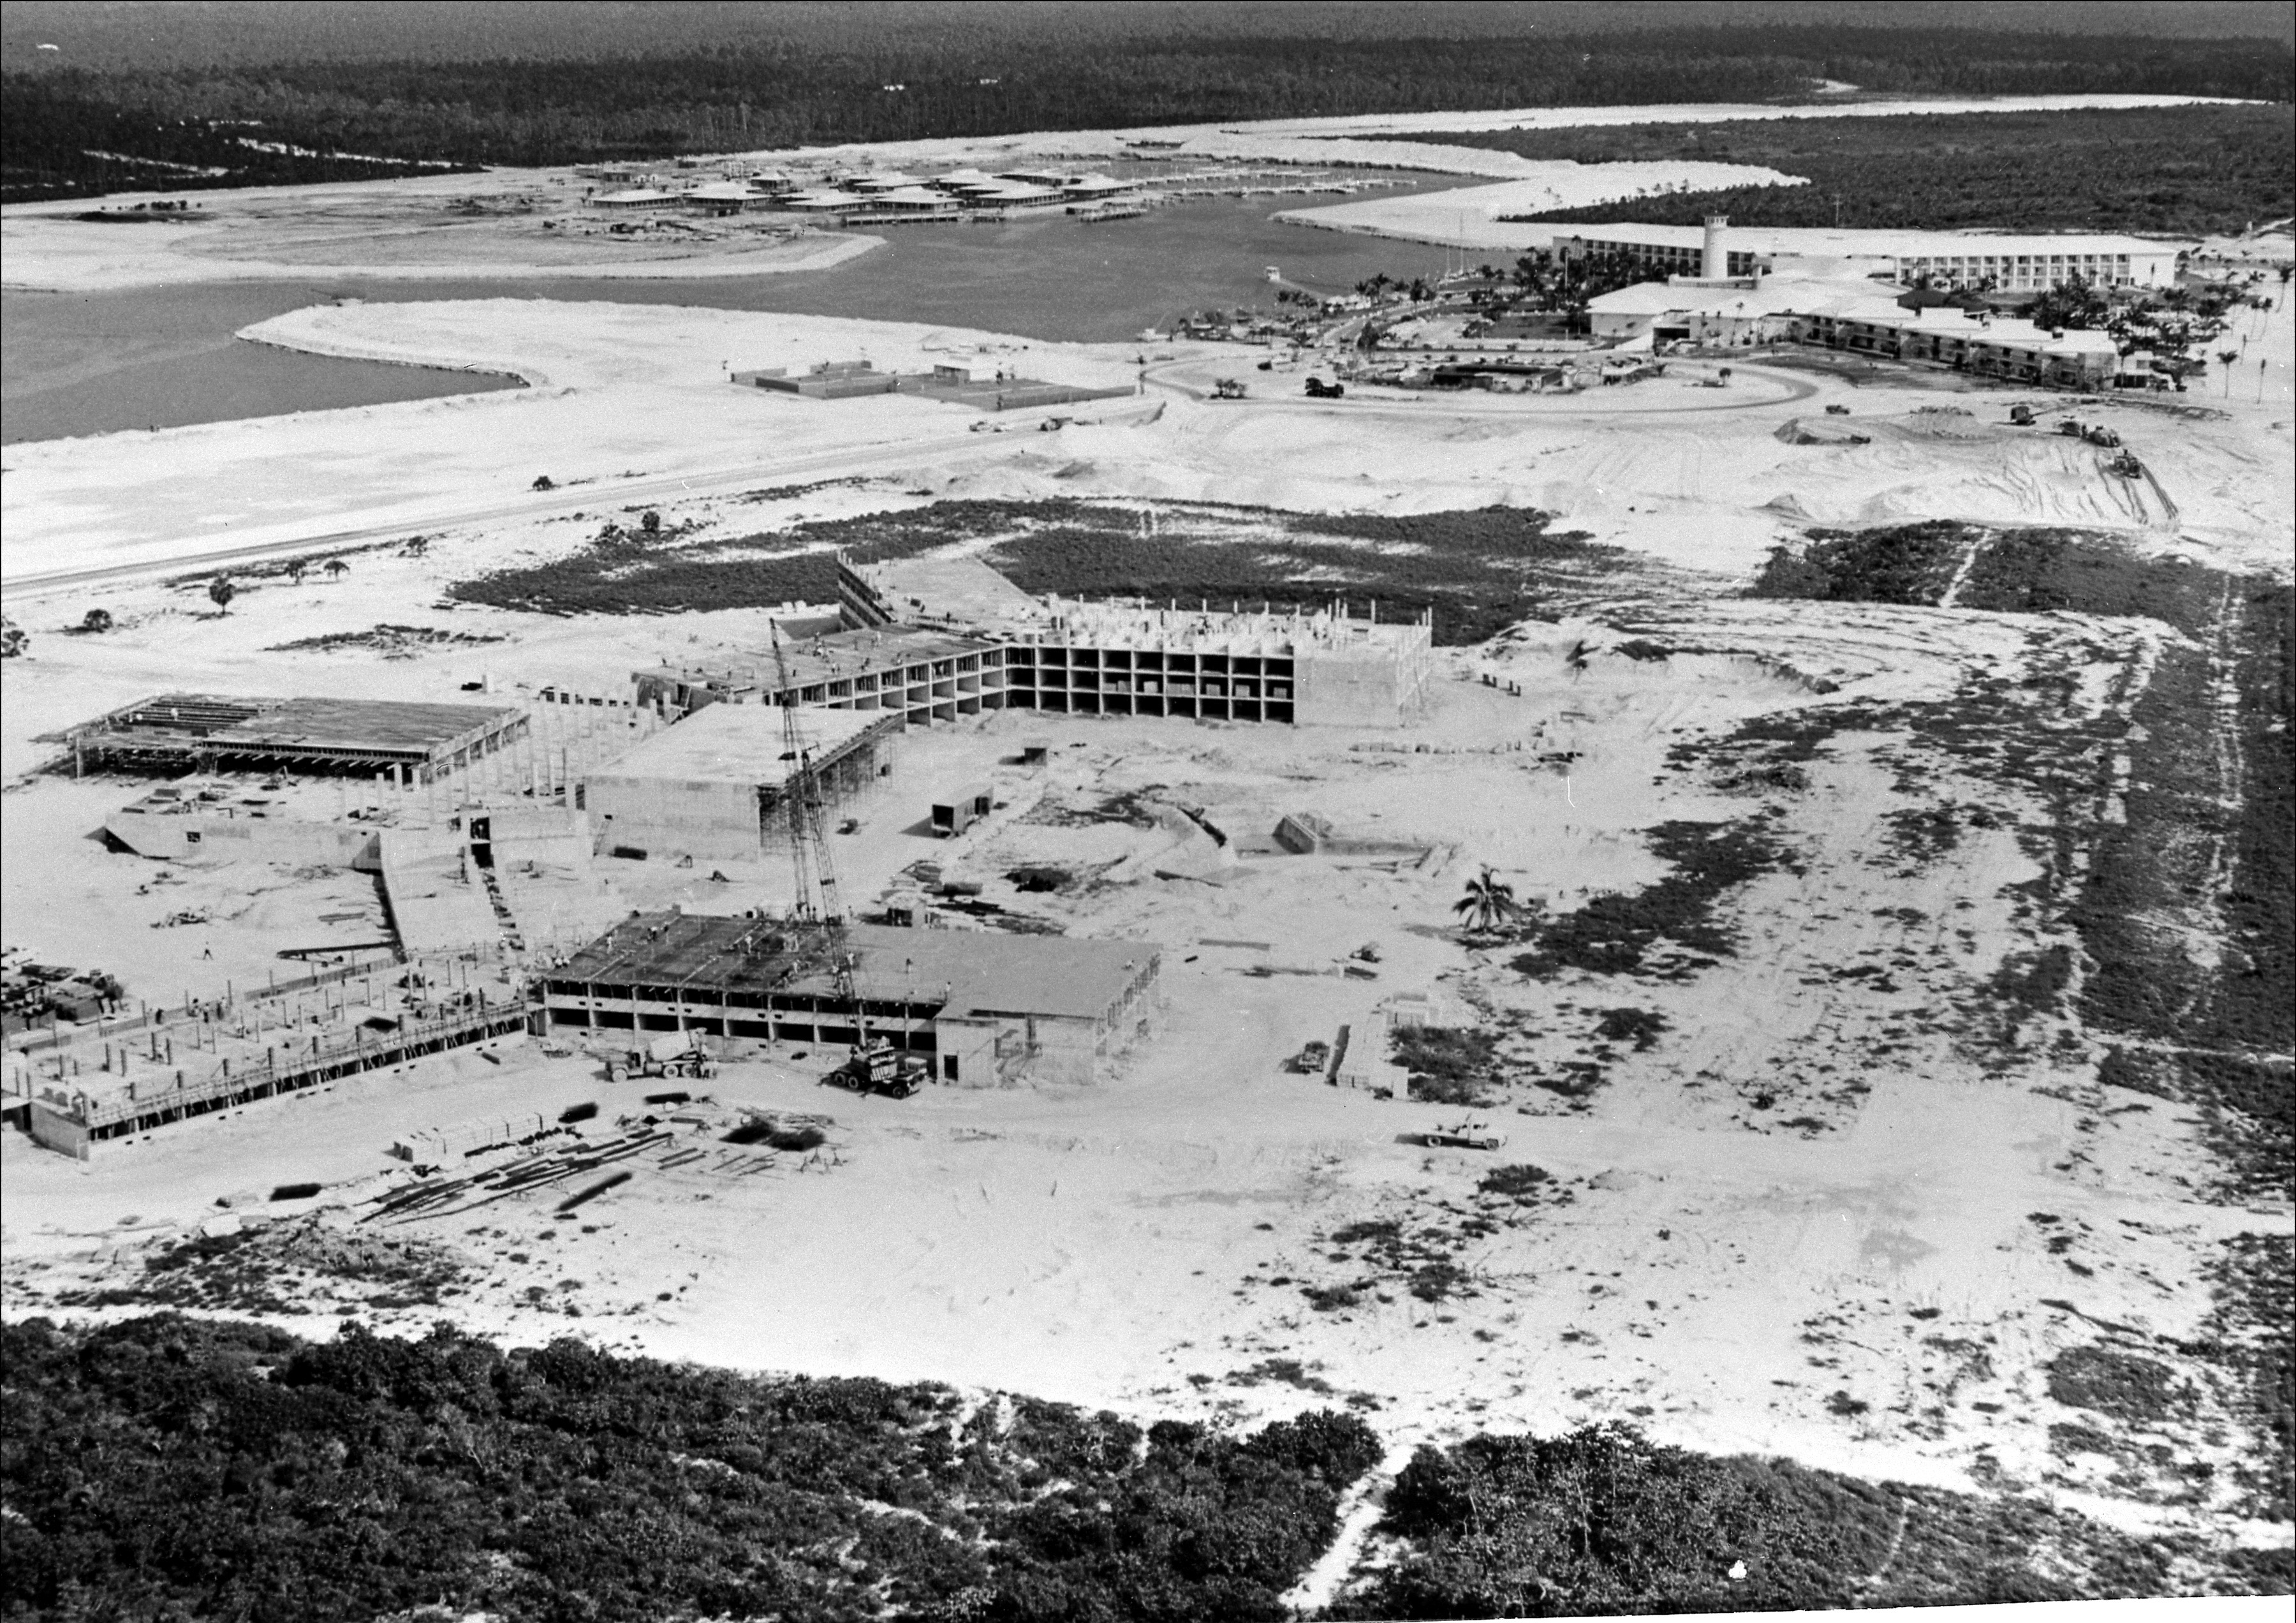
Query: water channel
[(161, 357)]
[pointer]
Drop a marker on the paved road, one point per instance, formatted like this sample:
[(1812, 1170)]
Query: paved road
[(844, 461)]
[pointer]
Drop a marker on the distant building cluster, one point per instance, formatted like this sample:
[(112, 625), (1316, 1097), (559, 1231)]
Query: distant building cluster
[(1949, 259), (875, 195)]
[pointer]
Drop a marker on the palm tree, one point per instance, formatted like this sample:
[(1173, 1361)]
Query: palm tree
[(337, 569), (220, 592), (1490, 902)]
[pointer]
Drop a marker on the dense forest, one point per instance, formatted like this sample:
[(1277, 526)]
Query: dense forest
[(2177, 170), (71, 131), (1601, 1521), (172, 1467)]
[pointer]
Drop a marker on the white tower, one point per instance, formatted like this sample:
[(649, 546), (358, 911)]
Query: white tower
[(1717, 267)]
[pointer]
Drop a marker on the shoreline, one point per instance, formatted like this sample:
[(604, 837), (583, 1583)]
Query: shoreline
[(160, 267)]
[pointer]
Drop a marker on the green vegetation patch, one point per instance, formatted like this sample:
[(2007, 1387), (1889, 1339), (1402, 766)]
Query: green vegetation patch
[(1601, 1520), (2174, 171), (2246, 1334), (1448, 1065), (2124, 1385), (1476, 570), (177, 109), (1616, 935), (1892, 563), (177, 1467)]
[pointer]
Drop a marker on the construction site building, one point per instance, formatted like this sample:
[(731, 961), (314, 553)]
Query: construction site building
[(939, 639), (1989, 345), (985, 1007), (2012, 264), (921, 677), (717, 783), (204, 732)]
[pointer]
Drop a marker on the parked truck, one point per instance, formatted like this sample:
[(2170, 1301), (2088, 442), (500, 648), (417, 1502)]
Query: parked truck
[(1319, 389), (877, 1066), (1462, 1135), (672, 1054)]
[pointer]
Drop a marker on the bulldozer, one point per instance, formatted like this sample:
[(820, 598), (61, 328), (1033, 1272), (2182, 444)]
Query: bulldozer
[(671, 1054), (2070, 428), (1227, 389), (2124, 464), (877, 1066), (2022, 415), (2099, 434)]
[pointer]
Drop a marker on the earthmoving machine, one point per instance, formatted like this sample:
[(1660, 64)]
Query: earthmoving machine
[(2097, 433), (2070, 428), (2022, 415), (672, 1054), (1311, 1060), (876, 1065), (2124, 464), (1837, 410), (1319, 389), (1462, 1135), (1227, 389)]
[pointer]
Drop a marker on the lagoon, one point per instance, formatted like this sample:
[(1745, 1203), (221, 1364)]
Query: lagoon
[(162, 357)]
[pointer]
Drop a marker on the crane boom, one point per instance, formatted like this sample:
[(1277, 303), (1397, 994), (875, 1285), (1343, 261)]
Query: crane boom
[(813, 900)]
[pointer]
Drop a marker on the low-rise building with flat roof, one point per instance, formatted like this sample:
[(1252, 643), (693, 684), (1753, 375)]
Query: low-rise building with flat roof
[(716, 784), (1955, 259), (986, 1008)]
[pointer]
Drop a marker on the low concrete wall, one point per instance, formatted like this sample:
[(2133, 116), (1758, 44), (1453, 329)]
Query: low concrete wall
[(174, 835)]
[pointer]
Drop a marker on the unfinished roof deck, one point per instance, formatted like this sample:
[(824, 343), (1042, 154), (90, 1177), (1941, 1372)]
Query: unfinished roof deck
[(962, 973), (188, 731), (741, 746)]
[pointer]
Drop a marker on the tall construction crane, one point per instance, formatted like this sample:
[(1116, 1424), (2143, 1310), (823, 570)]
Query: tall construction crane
[(815, 900)]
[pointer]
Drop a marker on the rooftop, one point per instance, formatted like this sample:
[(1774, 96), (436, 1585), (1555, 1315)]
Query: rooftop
[(221, 723), (837, 654), (966, 972), (738, 743), (1850, 243)]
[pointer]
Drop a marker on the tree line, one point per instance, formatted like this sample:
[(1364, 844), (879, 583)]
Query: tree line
[(64, 131), (2173, 171), (170, 1466)]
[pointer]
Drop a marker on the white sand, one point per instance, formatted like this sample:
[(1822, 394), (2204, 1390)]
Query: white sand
[(1717, 1276)]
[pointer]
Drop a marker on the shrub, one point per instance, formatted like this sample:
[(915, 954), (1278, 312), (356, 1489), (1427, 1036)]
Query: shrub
[(1517, 1183), (2124, 1385)]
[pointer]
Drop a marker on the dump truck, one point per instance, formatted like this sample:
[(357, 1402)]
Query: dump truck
[(671, 1054), (1319, 389), (2022, 415), (877, 1066), (1462, 1135), (1227, 389)]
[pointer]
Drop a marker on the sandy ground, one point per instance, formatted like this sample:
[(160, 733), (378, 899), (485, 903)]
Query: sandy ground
[(1755, 1226), (1712, 1274), (630, 404), (1317, 140)]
